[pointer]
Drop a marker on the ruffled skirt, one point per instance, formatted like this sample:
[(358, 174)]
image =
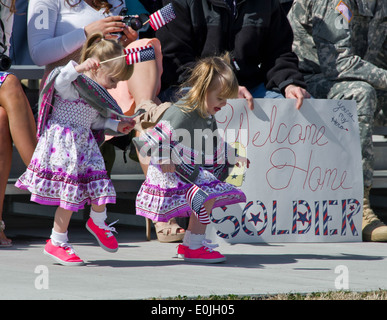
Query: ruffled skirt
[(67, 169), (162, 196)]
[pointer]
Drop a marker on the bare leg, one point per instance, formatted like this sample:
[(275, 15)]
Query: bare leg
[(144, 161), (100, 208), (62, 220), (5, 165), (21, 121), (144, 73)]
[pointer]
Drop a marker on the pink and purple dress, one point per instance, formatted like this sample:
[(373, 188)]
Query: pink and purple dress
[(3, 76), (163, 196), (67, 168)]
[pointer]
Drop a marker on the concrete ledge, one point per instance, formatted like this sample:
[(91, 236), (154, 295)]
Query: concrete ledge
[(30, 72)]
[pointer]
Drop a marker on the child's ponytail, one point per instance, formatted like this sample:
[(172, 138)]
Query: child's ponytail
[(98, 47), (89, 45)]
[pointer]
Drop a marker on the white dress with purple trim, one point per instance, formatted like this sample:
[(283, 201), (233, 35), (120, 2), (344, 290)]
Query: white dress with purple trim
[(67, 168), (163, 196)]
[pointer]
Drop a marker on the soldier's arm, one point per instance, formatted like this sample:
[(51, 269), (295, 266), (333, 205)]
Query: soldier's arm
[(333, 36)]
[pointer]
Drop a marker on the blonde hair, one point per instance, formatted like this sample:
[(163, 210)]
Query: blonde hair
[(208, 74), (102, 49)]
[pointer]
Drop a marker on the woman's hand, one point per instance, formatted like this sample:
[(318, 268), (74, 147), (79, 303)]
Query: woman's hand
[(245, 94), (108, 25), (129, 35), (295, 92)]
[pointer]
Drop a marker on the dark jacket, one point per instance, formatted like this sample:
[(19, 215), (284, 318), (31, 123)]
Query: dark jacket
[(259, 38), (151, 5)]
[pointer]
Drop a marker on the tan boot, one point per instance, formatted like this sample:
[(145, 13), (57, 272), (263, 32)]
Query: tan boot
[(373, 229)]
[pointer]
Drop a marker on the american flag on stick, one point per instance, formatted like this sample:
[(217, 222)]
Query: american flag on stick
[(195, 198), (135, 55), (140, 54), (162, 17)]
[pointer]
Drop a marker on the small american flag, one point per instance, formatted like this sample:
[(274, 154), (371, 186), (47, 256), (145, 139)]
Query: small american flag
[(195, 198), (162, 17), (140, 54), (137, 49)]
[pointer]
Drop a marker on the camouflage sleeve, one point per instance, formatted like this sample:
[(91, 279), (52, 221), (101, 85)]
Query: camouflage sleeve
[(377, 37), (333, 36)]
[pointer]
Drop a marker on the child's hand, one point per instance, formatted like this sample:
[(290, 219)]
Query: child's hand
[(125, 126), (89, 64), (242, 160)]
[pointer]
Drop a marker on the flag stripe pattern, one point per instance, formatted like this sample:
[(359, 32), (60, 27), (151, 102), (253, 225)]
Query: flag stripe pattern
[(195, 198), (141, 54), (162, 17), (203, 216), (137, 49)]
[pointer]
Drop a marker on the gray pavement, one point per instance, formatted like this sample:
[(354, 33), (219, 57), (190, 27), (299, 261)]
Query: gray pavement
[(148, 269)]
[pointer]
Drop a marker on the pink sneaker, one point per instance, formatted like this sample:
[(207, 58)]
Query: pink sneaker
[(63, 254), (203, 255), (104, 236), (181, 251)]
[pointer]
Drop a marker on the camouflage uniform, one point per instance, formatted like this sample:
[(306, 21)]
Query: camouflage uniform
[(377, 51), (377, 36), (331, 45)]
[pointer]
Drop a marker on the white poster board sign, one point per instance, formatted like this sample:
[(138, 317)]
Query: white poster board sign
[(305, 181)]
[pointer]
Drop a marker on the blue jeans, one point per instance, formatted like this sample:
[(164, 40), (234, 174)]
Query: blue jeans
[(261, 92)]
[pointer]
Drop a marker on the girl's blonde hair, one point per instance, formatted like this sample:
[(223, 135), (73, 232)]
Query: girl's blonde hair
[(208, 74), (102, 49)]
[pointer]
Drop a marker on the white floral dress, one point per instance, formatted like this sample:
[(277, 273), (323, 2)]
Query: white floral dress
[(67, 168)]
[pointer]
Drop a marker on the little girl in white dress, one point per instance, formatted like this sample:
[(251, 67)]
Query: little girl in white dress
[(67, 168)]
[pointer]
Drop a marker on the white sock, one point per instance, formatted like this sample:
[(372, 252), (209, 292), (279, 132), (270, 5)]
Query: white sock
[(58, 238), (186, 238), (98, 217), (195, 241)]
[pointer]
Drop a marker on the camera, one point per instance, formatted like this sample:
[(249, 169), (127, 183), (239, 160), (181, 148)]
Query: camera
[(132, 21), (5, 62)]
